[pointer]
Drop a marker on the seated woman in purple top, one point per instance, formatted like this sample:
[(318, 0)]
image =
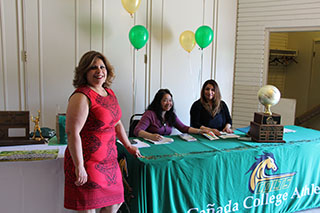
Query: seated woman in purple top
[(159, 119)]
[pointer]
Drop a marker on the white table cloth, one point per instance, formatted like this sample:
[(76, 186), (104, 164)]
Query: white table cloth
[(32, 186)]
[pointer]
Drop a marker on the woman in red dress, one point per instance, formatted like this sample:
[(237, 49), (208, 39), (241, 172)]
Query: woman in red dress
[(92, 176)]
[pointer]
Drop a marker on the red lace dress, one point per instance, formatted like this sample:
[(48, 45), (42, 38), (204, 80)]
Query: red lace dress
[(104, 186)]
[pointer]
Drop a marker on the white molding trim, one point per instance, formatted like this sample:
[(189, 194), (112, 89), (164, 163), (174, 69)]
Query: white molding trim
[(41, 87), (76, 36), (293, 29), (4, 59), (214, 49)]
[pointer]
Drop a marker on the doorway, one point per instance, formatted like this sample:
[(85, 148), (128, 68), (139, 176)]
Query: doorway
[(294, 68)]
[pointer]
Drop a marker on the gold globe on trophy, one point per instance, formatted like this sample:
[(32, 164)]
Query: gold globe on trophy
[(266, 126), (268, 96)]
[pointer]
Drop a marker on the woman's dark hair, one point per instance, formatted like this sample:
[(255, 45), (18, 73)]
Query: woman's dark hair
[(155, 106), (85, 64), (215, 101)]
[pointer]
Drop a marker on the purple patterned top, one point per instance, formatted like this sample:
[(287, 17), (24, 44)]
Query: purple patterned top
[(150, 123)]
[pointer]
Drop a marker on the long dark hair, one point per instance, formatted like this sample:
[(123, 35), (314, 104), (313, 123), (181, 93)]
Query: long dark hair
[(85, 64), (155, 106), (215, 101)]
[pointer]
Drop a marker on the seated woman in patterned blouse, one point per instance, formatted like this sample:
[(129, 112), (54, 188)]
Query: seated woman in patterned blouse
[(159, 119)]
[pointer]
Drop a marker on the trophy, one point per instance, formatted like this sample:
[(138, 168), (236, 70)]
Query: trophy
[(268, 96), (266, 125), (37, 128)]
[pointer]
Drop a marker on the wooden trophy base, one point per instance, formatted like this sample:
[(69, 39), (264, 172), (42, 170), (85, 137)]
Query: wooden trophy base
[(266, 128)]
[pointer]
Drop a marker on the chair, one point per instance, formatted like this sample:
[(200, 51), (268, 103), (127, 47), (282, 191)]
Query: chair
[(133, 123), (287, 109)]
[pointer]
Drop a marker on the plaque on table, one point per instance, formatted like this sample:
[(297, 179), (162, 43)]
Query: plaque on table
[(266, 126), (14, 129)]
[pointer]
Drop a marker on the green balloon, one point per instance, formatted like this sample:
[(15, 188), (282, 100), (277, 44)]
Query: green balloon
[(138, 36), (204, 36)]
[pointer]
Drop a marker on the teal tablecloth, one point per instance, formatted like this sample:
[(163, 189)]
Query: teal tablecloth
[(226, 175)]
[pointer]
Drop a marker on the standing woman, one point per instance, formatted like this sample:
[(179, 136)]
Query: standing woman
[(159, 119), (210, 112), (92, 176)]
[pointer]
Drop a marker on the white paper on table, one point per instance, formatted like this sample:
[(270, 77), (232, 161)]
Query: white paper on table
[(286, 130), (140, 144), (225, 135), (228, 135), (164, 140)]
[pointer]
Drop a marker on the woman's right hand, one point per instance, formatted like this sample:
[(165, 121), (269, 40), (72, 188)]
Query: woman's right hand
[(134, 151), (202, 131), (156, 137), (215, 131), (81, 176)]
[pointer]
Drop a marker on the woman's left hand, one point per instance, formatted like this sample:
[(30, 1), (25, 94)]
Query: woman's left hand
[(227, 129), (134, 151)]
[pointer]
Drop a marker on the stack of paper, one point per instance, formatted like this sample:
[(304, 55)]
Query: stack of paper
[(140, 144), (164, 140), (228, 135), (211, 136), (187, 137), (137, 143)]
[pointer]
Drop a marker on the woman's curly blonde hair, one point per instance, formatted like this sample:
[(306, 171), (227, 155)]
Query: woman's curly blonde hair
[(85, 64)]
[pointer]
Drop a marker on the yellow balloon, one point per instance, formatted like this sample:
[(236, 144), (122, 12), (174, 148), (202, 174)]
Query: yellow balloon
[(131, 5), (187, 40)]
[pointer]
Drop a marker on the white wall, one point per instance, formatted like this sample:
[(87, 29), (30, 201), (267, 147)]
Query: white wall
[(55, 34), (225, 53), (256, 19)]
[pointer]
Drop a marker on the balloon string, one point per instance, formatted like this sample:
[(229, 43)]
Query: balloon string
[(204, 6), (135, 95), (190, 71), (190, 67), (198, 82), (201, 70), (134, 83)]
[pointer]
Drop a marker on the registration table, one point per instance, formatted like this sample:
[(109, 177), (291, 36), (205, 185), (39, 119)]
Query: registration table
[(226, 175)]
